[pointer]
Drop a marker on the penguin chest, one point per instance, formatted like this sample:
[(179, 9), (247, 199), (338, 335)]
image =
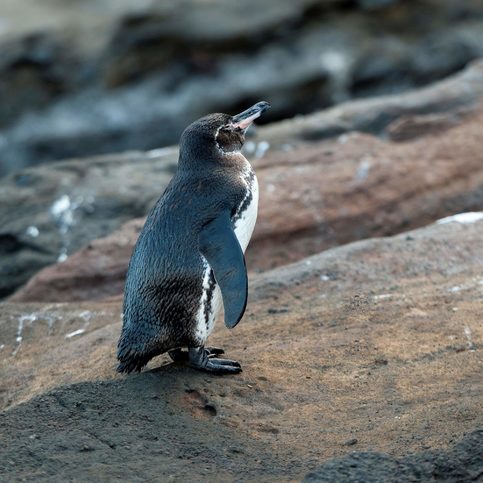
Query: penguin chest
[(243, 223), (246, 214)]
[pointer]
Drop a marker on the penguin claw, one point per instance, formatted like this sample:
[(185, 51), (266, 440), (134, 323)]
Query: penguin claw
[(178, 355), (220, 366), (201, 360), (227, 362)]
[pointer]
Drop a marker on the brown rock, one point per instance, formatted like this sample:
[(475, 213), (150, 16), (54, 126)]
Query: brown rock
[(411, 127), (311, 376), (330, 193), (106, 191), (96, 271), (312, 198), (51, 211), (459, 91)]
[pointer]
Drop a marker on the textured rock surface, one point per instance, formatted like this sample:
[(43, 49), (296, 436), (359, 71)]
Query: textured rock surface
[(82, 78), (376, 115), (374, 346), (315, 196), (94, 272), (106, 191), (50, 212), (463, 462)]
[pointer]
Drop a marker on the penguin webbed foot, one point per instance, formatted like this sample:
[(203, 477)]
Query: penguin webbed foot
[(199, 358), (179, 355)]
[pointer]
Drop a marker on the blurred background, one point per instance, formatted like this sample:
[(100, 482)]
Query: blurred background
[(81, 77)]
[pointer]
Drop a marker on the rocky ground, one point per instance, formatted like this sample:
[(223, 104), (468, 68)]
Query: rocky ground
[(373, 346), (81, 78)]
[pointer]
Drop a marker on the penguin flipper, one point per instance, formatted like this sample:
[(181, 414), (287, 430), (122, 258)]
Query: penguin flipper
[(219, 245)]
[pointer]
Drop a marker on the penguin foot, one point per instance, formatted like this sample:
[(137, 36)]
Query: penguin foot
[(200, 359), (178, 355)]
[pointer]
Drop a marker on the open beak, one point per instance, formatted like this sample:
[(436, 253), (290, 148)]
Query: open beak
[(245, 118)]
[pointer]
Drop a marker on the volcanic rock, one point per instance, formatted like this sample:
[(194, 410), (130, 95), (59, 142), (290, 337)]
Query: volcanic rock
[(462, 462), (377, 115), (313, 197), (49, 212), (345, 176), (376, 341)]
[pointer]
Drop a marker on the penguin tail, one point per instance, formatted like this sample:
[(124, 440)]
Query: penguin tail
[(136, 348), (131, 358), (128, 367), (132, 362)]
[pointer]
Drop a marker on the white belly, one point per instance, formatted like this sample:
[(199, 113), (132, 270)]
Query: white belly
[(211, 300), (246, 223), (210, 306)]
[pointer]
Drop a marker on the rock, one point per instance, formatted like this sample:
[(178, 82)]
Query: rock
[(339, 207), (50, 212), (461, 462), (96, 271), (411, 127), (378, 115), (310, 376), (101, 77), (36, 65), (330, 193), (313, 197)]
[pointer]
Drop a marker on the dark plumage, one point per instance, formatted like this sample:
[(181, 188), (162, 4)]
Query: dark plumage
[(188, 246)]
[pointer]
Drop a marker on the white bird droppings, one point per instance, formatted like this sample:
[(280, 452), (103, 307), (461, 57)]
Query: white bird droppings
[(86, 315), (382, 296), (63, 211), (73, 334), (471, 345), (21, 324), (60, 206), (469, 217), (363, 170), (32, 231)]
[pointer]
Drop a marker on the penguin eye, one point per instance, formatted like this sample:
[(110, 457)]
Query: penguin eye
[(229, 138)]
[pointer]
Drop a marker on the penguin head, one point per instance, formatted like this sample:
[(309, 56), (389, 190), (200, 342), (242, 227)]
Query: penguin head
[(218, 134)]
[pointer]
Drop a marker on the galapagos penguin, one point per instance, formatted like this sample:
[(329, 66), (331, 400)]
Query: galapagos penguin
[(189, 257)]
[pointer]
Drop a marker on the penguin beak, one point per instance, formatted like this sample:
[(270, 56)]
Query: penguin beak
[(245, 118)]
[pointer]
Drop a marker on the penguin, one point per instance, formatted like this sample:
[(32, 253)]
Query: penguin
[(189, 258)]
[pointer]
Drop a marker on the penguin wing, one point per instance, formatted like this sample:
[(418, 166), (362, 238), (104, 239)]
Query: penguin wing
[(219, 245)]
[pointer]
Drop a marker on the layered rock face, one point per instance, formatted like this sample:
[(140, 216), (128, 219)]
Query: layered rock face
[(49, 212), (317, 194), (82, 78), (373, 346)]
